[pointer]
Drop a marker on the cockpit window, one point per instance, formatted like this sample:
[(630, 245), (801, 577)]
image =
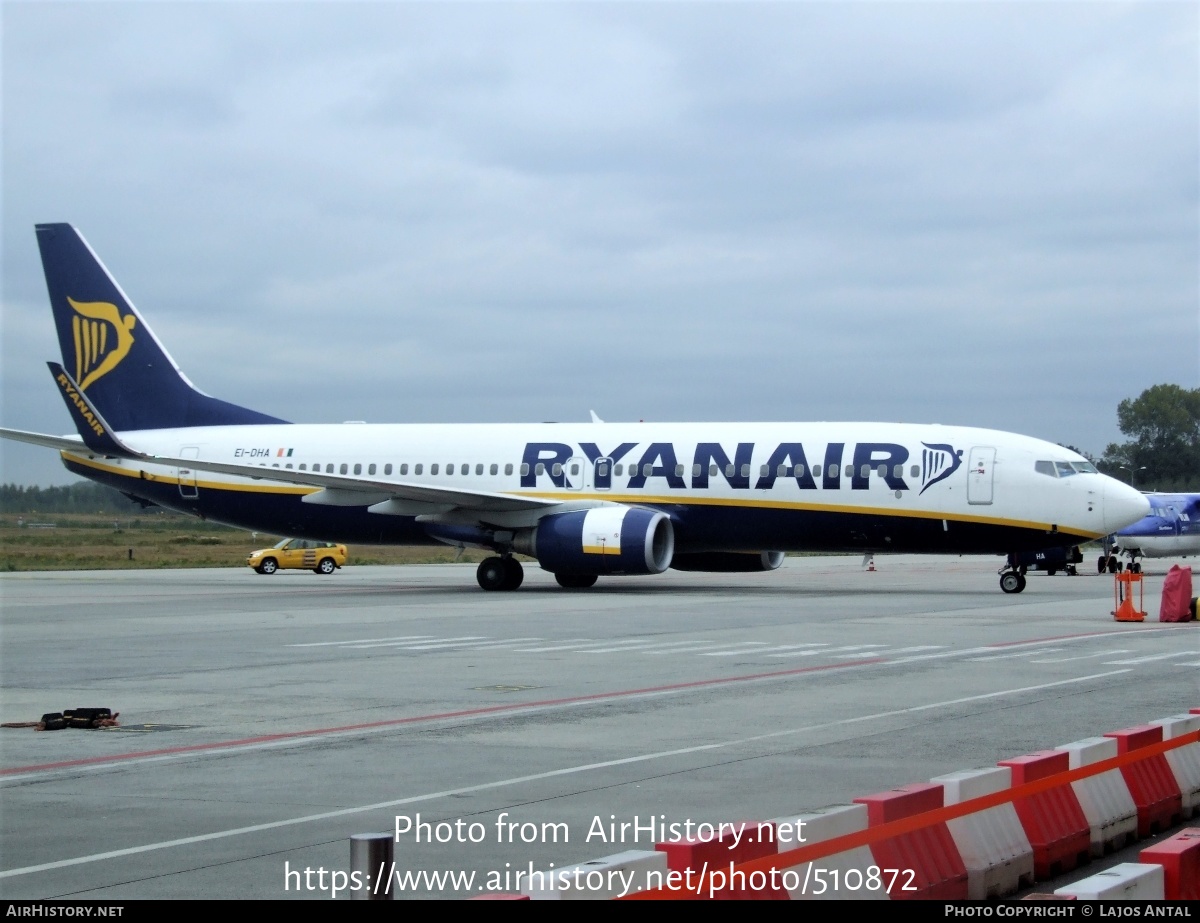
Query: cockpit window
[(1045, 467), (1064, 469), (1084, 467)]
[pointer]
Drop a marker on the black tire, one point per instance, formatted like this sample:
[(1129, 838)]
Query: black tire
[(1113, 564), (492, 574), (1012, 582), (268, 566), (514, 574), (326, 566), (1050, 572), (1102, 564), (575, 581)]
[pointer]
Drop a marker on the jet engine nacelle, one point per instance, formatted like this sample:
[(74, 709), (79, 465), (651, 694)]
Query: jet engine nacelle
[(606, 540), (727, 562)]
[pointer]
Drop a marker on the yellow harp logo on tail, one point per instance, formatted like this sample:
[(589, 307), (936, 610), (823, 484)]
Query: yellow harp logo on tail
[(102, 339)]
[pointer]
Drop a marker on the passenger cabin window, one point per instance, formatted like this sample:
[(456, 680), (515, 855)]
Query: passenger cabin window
[(404, 469), (540, 469), (358, 469), (556, 470), (329, 469), (466, 469), (387, 469), (345, 469), (433, 469), (370, 469), (479, 469), (914, 471), (303, 466), (524, 468), (449, 469), (508, 469), (618, 468), (495, 469)]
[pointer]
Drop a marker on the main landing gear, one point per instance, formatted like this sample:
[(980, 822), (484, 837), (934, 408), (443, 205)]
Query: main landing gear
[(500, 573)]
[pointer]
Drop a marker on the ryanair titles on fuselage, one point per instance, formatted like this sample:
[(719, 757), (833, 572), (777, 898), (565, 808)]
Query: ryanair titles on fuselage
[(787, 461)]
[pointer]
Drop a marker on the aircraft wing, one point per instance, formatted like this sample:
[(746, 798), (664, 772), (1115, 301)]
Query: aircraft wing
[(351, 490), (336, 490)]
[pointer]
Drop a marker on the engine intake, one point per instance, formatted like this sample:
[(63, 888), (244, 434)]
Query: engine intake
[(606, 540)]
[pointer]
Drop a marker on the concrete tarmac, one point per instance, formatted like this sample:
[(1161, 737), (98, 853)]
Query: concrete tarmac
[(267, 719)]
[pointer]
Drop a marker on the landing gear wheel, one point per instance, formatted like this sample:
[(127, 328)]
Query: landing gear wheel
[(1012, 582), (492, 574), (1102, 564), (1113, 564), (268, 566), (327, 566), (575, 581), (1135, 567), (514, 573)]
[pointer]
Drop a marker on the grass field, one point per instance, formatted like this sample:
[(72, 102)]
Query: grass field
[(159, 539)]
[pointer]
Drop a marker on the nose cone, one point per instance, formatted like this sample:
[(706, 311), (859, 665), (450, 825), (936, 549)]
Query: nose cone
[(1123, 506)]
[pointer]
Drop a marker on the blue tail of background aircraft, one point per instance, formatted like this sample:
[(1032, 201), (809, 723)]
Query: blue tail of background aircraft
[(110, 352)]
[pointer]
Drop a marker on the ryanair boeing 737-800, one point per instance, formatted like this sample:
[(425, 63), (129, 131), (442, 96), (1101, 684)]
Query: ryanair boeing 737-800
[(586, 500)]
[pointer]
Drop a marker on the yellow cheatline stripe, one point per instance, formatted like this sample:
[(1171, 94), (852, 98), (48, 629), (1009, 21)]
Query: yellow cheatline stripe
[(630, 499)]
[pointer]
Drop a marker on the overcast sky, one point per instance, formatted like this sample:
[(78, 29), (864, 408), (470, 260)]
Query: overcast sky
[(972, 213)]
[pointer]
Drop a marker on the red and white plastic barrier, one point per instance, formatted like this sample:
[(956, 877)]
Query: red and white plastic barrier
[(1057, 829), (929, 853), (1129, 881), (1112, 816), (1184, 761), (992, 843), (1180, 858), (1150, 780)]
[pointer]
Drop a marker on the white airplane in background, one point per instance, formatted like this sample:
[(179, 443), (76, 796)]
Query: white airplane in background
[(1172, 530), (586, 500)]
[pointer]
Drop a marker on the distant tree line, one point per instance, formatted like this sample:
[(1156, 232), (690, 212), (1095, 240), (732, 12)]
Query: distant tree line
[(84, 497), (1163, 452)]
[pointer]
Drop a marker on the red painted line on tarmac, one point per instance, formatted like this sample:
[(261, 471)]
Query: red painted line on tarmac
[(440, 716)]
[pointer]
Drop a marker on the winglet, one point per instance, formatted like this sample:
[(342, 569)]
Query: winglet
[(97, 434), (595, 419)]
